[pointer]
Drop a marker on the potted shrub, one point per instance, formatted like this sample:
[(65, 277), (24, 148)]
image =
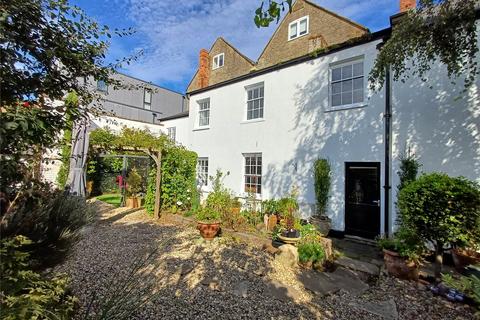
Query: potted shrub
[(288, 208), (322, 183), (208, 222), (441, 210), (401, 254), (134, 187)]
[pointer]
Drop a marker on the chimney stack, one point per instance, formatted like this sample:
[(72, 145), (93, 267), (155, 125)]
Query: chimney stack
[(203, 69), (406, 5)]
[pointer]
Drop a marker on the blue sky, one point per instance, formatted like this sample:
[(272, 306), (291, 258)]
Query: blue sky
[(172, 32)]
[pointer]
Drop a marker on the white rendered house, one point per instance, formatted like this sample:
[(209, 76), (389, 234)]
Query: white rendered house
[(267, 122)]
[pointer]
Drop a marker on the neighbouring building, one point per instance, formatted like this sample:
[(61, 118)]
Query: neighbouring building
[(266, 122), (138, 104)]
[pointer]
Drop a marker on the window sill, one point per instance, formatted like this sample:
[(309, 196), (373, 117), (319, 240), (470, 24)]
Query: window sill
[(252, 121), (201, 128), (346, 107)]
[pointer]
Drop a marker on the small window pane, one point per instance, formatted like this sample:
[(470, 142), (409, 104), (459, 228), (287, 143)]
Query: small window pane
[(250, 97), (347, 98), (293, 30), (358, 83), (358, 69), (220, 62), (256, 104), (357, 96), (249, 115), (147, 96), (303, 26), (336, 87), (261, 91), (337, 74), (346, 72), (347, 86), (336, 100)]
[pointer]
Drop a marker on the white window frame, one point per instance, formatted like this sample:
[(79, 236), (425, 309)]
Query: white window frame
[(147, 105), (199, 111), (256, 175), (297, 32), (216, 60), (341, 64), (261, 100), (202, 175), (172, 133)]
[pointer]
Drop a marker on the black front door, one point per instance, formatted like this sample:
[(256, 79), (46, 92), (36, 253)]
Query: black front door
[(362, 199)]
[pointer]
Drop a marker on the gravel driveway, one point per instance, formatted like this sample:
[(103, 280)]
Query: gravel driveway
[(187, 278)]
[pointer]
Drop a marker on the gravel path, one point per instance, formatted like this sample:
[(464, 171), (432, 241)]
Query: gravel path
[(222, 279)]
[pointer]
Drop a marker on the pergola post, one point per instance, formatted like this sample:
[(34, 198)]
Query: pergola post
[(158, 180)]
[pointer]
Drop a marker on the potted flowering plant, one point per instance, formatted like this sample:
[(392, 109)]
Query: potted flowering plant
[(208, 222), (402, 253)]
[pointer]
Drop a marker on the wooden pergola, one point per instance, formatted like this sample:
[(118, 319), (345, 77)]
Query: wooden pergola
[(156, 155)]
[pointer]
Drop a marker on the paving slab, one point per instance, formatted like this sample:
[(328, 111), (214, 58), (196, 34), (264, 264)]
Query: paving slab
[(358, 265), (324, 283), (385, 309)]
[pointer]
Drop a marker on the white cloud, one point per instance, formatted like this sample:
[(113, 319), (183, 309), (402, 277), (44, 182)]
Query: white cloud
[(174, 31)]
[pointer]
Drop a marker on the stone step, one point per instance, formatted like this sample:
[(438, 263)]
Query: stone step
[(358, 265)]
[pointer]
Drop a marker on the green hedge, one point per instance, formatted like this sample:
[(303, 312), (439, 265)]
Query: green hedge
[(178, 180)]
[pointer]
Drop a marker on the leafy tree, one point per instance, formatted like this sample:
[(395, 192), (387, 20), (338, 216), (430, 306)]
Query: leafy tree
[(441, 210), (409, 166), (438, 30), (49, 48)]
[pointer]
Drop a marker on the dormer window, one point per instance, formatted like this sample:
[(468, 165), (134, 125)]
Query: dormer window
[(298, 28), (218, 61)]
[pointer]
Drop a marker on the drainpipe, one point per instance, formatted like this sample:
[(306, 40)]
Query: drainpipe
[(388, 119)]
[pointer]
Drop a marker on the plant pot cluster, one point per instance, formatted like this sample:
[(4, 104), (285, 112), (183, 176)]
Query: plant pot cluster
[(399, 266), (463, 258)]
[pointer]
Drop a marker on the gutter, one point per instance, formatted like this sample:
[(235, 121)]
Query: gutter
[(310, 56)]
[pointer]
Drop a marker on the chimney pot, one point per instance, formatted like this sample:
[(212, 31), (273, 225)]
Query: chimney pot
[(203, 69), (406, 5)]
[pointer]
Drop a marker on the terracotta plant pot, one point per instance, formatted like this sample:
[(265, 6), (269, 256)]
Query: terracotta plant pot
[(464, 257), (132, 202), (400, 267), (208, 231)]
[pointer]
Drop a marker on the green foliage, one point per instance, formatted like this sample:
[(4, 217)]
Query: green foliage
[(442, 31), (322, 176), (222, 200), (52, 47), (51, 219), (150, 194), (208, 214), (128, 138), (270, 206), (309, 231), (25, 293), (134, 183), (263, 17), (277, 231), (252, 218), (405, 242), (409, 166), (288, 208), (178, 178), (113, 199), (311, 251), (469, 286), (442, 209)]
